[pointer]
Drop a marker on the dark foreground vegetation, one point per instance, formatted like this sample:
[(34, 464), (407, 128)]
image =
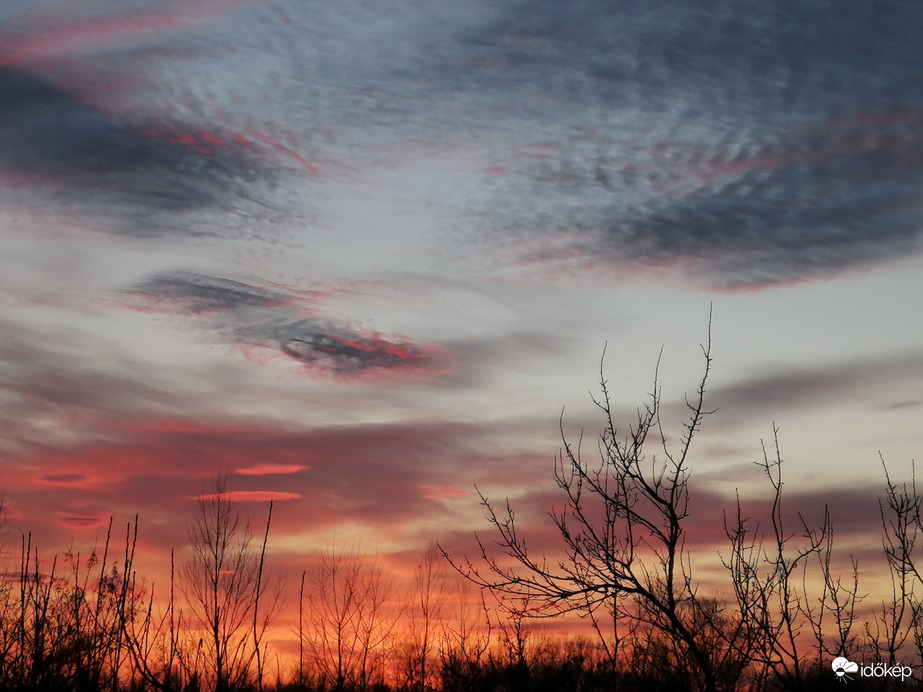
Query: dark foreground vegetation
[(788, 609)]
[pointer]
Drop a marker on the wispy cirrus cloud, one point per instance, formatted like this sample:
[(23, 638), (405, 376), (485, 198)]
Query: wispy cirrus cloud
[(252, 316), (63, 478)]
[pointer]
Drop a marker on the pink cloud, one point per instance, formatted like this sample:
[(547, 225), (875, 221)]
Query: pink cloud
[(251, 496), (441, 492), (271, 469)]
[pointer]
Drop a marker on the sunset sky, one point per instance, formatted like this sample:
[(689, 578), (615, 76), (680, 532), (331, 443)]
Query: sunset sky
[(359, 255)]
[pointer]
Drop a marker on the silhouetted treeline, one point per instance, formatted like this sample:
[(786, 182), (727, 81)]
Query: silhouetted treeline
[(89, 622), (792, 614)]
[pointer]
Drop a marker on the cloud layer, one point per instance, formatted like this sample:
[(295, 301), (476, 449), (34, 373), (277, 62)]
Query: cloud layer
[(744, 145), (748, 146)]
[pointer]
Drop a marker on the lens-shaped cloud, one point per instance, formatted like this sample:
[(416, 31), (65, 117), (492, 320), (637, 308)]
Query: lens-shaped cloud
[(197, 294), (270, 469), (339, 349), (248, 315)]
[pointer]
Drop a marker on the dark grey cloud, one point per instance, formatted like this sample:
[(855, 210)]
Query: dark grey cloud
[(724, 57), (249, 315), (195, 293), (750, 144), (135, 174), (765, 217), (339, 349), (873, 380), (63, 477)]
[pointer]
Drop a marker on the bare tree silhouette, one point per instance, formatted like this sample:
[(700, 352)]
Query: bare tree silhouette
[(467, 636), (622, 533), (349, 626), (61, 626), (223, 582), (899, 623), (771, 577), (425, 612)]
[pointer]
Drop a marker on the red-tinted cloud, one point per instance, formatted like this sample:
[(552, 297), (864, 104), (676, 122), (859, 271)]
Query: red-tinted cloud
[(442, 492), (381, 475), (271, 469), (250, 496)]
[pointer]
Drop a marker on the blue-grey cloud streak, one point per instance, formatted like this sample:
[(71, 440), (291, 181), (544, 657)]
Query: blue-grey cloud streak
[(248, 314)]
